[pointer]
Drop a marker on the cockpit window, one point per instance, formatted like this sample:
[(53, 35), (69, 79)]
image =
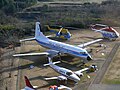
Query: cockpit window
[(82, 52), (69, 73)]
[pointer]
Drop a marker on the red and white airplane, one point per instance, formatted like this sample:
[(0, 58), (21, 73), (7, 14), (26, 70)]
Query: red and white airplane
[(30, 87), (106, 31)]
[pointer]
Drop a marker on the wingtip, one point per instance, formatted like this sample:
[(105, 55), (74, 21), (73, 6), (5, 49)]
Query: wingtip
[(14, 55)]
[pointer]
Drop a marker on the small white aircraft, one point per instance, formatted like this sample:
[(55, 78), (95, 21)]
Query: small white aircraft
[(66, 73), (106, 31), (58, 48), (28, 85)]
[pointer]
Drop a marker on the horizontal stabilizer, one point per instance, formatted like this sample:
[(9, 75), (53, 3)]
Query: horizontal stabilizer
[(31, 54), (64, 87), (51, 63), (46, 64), (29, 39), (56, 62), (35, 86), (49, 36), (28, 88)]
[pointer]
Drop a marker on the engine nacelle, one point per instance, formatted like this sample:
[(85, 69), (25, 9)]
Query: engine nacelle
[(62, 78), (53, 53), (79, 74)]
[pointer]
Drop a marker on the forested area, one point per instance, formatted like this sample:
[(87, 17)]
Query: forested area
[(12, 6), (17, 17), (11, 28)]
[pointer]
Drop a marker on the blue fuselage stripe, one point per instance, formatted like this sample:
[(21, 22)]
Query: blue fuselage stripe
[(61, 49)]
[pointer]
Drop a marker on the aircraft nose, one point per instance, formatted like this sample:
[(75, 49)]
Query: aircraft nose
[(75, 78), (89, 58), (78, 79), (117, 36)]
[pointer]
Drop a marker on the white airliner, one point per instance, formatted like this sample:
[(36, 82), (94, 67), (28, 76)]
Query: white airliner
[(58, 47), (66, 73), (30, 87)]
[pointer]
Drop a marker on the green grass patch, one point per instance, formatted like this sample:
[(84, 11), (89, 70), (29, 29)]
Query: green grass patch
[(113, 81)]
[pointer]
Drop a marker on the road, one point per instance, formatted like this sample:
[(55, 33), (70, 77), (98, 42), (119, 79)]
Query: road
[(8, 70), (104, 68)]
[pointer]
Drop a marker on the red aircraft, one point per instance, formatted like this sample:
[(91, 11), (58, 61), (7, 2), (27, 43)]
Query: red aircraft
[(106, 31)]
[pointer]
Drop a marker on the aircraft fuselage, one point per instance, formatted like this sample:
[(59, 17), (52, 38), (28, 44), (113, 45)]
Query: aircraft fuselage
[(65, 72), (65, 48)]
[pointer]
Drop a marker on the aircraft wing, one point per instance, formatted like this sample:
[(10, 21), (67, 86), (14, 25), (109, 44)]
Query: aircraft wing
[(89, 43), (59, 78), (82, 70), (64, 87), (31, 54), (29, 39), (52, 78)]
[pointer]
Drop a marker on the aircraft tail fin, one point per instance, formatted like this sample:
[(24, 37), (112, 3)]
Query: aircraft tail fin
[(28, 84), (38, 33), (50, 62)]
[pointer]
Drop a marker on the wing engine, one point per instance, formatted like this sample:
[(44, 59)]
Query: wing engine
[(79, 74)]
